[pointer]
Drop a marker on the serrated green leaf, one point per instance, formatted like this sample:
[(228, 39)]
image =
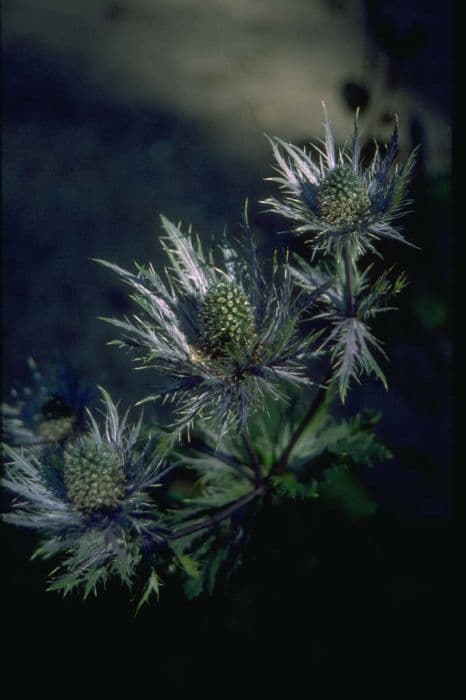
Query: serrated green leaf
[(153, 586), (288, 485), (91, 581), (193, 587), (64, 583), (213, 567), (342, 489), (362, 448), (190, 565)]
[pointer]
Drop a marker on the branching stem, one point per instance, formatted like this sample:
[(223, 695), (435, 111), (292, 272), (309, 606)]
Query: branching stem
[(349, 278), (218, 517), (261, 484), (281, 463), (200, 445), (254, 459)]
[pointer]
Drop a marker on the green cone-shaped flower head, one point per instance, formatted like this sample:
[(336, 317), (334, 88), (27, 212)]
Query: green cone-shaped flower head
[(227, 321), (342, 197), (55, 421), (93, 475)]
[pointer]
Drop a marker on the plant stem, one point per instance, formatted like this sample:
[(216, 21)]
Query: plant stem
[(261, 488), (166, 471), (349, 278), (261, 484), (198, 444), (218, 517), (254, 459), (316, 404)]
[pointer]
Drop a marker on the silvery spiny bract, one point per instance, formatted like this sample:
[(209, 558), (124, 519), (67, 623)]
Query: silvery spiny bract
[(333, 199), (89, 500), (220, 335), (52, 410), (349, 339)]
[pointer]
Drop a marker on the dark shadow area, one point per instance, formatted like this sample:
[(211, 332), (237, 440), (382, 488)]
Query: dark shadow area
[(414, 34)]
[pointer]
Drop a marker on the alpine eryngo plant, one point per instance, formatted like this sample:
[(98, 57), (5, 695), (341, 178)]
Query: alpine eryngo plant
[(249, 358)]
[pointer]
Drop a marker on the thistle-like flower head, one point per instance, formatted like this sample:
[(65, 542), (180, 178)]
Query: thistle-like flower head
[(220, 337), (89, 501), (50, 411), (334, 200)]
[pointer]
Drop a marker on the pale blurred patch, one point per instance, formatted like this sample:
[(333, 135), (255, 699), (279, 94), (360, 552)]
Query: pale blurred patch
[(237, 68)]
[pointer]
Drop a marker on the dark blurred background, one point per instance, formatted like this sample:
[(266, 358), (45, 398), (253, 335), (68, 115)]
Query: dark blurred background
[(114, 111)]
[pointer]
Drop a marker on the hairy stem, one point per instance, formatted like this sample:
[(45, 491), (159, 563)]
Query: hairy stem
[(349, 279), (218, 517)]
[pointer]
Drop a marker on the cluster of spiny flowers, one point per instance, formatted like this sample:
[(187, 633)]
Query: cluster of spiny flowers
[(224, 338)]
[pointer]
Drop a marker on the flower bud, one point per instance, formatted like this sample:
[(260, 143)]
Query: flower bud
[(55, 421)]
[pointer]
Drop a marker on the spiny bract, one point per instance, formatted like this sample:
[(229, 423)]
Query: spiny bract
[(349, 338)]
